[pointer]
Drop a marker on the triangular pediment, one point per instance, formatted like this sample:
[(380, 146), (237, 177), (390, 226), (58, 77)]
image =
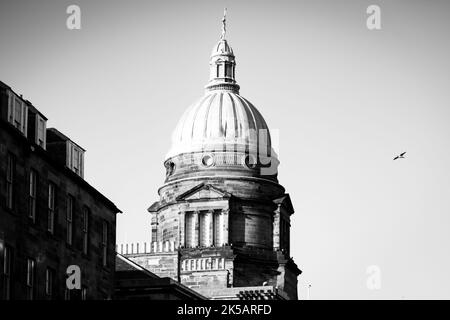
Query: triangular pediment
[(285, 202), (203, 191)]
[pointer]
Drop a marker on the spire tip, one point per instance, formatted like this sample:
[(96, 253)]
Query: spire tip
[(224, 24)]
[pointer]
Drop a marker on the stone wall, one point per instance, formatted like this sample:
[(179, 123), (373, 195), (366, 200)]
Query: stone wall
[(207, 267), (30, 239), (161, 258)]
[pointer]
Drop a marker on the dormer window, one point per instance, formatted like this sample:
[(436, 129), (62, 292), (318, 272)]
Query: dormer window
[(75, 157), (17, 112), (76, 160), (65, 151), (41, 131)]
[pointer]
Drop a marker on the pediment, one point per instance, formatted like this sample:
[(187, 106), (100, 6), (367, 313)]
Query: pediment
[(285, 202), (203, 191)]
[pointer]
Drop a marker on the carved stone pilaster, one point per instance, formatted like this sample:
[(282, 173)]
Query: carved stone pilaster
[(181, 227), (225, 224), (208, 228), (195, 229)]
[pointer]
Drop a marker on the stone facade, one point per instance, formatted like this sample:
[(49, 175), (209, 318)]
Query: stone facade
[(160, 258), (133, 282), (221, 203), (34, 224)]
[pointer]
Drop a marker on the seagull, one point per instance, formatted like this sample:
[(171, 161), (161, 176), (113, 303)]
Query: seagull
[(401, 156)]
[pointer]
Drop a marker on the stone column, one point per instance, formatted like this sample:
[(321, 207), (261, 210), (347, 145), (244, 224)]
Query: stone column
[(224, 226), (195, 229), (220, 230), (208, 228), (276, 230), (154, 227), (181, 231)]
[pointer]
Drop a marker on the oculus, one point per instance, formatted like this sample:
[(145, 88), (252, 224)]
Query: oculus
[(208, 160)]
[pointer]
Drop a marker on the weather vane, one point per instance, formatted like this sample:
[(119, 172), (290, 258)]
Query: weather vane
[(224, 25)]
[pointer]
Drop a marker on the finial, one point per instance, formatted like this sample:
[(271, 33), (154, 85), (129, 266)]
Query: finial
[(224, 25)]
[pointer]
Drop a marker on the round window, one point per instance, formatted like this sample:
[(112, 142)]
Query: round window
[(170, 168), (250, 161), (208, 160)]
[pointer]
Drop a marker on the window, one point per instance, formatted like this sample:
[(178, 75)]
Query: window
[(49, 281), (221, 70), (170, 168), (7, 269), (10, 107), (250, 161), (188, 227), (40, 131), (51, 208), (84, 293), (31, 271), (32, 196), (10, 174), (284, 235), (75, 158), (85, 230), (105, 243), (17, 112), (69, 219), (67, 294), (228, 71), (208, 160)]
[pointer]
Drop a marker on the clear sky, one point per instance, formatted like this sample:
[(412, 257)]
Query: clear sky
[(345, 100)]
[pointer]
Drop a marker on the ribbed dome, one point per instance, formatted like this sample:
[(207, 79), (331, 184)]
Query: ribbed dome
[(222, 47), (219, 120)]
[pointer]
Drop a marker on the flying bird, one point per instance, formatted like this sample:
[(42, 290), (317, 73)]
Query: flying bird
[(401, 156)]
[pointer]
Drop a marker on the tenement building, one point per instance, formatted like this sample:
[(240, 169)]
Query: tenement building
[(221, 225), (50, 217)]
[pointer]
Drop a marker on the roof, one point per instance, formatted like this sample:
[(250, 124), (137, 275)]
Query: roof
[(218, 119), (285, 201), (133, 279), (222, 48), (63, 137), (28, 103), (69, 173), (125, 264)]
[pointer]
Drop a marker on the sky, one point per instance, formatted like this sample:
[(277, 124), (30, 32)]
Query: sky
[(345, 100)]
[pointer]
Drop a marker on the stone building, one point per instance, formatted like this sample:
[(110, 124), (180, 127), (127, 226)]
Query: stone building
[(50, 217), (133, 282), (222, 223)]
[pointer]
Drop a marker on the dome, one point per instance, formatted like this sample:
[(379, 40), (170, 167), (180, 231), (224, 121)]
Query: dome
[(222, 48), (222, 131), (219, 120)]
